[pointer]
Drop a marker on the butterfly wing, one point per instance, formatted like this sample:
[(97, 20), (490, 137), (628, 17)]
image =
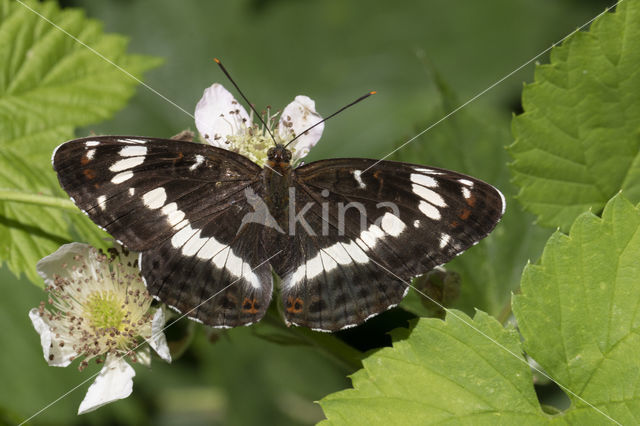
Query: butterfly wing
[(383, 227), (215, 269), (329, 282), (180, 204)]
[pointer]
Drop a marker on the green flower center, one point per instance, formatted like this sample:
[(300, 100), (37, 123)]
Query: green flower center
[(254, 140), (252, 146), (104, 310)]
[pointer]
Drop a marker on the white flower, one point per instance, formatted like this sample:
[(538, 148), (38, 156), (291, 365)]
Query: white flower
[(224, 123), (99, 308)]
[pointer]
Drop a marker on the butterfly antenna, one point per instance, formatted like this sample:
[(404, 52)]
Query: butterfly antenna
[(224, 70), (361, 98)]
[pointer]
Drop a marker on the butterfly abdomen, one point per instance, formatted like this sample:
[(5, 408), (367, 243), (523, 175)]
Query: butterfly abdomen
[(277, 182)]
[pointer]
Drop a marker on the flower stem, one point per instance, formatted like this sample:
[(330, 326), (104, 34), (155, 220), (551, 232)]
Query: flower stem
[(17, 196)]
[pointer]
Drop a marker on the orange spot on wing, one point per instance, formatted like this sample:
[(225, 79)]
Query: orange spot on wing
[(250, 306), (471, 201), (294, 306), (377, 175), (84, 160), (178, 158), (465, 214), (89, 173)]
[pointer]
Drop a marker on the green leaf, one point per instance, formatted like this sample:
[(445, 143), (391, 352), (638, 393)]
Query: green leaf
[(50, 84), (444, 372), (577, 143), (578, 314), (579, 311), (50, 81), (28, 232), (490, 271)]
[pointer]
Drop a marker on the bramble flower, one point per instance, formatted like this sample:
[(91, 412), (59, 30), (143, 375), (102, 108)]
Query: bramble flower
[(224, 123), (98, 308)]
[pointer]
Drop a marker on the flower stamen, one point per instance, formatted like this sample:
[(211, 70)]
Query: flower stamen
[(98, 305)]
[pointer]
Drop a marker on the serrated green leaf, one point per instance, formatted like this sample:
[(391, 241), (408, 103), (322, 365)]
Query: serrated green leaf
[(28, 232), (445, 372), (49, 84), (31, 231), (49, 80), (578, 314), (578, 311), (577, 143)]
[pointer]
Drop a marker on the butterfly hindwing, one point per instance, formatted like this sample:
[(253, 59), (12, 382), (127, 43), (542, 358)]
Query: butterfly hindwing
[(213, 270), (328, 281)]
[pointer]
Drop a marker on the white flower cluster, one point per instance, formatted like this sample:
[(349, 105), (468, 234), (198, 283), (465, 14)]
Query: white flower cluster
[(98, 308), (224, 123)]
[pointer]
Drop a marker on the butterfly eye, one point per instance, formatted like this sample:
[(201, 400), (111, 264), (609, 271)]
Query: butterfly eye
[(271, 153)]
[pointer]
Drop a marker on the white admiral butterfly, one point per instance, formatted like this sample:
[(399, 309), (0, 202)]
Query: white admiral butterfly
[(182, 205)]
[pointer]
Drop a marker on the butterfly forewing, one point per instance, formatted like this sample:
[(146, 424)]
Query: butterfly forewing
[(420, 210), (129, 185)]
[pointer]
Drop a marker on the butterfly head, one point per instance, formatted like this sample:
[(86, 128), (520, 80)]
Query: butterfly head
[(279, 157)]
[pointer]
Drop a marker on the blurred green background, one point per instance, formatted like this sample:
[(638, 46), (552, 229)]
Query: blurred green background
[(332, 51)]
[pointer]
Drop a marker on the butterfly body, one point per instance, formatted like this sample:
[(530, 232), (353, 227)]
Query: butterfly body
[(344, 235), (277, 181)]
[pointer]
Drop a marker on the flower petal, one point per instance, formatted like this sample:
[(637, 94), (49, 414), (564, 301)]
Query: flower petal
[(114, 382), (55, 354), (219, 115), (143, 356), (55, 263), (297, 117), (158, 340)]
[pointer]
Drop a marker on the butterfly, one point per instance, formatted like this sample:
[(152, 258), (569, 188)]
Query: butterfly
[(349, 233)]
